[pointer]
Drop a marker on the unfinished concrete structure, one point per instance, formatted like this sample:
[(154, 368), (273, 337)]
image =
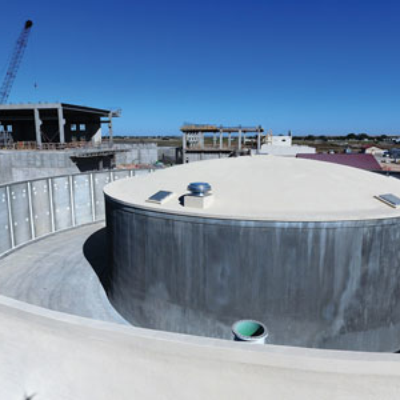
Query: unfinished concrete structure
[(197, 143), (53, 123), (44, 139), (305, 248)]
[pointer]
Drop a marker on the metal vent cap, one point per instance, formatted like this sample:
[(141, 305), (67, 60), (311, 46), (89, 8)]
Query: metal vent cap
[(199, 189)]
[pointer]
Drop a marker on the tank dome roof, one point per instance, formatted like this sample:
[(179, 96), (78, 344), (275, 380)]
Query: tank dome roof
[(266, 188)]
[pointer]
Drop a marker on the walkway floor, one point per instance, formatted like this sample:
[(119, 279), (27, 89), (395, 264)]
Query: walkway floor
[(57, 273)]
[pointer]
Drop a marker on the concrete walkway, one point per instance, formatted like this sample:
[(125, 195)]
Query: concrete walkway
[(58, 273)]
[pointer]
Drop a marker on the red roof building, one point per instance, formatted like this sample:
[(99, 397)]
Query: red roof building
[(362, 161)]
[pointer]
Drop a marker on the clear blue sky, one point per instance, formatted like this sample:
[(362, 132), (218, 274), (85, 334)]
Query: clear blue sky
[(315, 67)]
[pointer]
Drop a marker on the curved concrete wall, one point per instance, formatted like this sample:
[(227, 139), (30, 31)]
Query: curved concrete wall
[(328, 284), (58, 356), (33, 209)]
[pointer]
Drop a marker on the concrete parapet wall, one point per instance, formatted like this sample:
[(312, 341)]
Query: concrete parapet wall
[(51, 355), (32, 209)]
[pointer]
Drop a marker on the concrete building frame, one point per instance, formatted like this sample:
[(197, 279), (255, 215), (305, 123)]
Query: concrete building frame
[(55, 122)]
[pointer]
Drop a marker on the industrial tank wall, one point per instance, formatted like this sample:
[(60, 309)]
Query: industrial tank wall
[(314, 284), (32, 209)]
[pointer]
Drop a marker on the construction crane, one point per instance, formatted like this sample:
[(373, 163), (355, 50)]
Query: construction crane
[(15, 62)]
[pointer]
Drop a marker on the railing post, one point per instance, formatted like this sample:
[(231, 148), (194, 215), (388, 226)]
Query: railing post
[(33, 231), (10, 218)]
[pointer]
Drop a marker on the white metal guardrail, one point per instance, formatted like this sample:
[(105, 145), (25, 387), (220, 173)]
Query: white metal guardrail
[(36, 208)]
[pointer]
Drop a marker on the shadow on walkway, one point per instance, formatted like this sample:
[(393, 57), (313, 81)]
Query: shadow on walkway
[(95, 251)]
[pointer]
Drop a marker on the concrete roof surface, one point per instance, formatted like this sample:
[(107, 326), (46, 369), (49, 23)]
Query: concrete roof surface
[(267, 188)]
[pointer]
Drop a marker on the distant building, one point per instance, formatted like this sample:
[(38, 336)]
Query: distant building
[(375, 151), (209, 141), (281, 145), (277, 140), (53, 123), (362, 161)]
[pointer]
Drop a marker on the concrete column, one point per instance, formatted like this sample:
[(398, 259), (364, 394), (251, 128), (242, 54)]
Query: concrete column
[(214, 139), (61, 123), (110, 129), (258, 140), (240, 140), (229, 139), (184, 141), (220, 139), (38, 124)]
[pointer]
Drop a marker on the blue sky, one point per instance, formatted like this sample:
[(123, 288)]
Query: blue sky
[(315, 67)]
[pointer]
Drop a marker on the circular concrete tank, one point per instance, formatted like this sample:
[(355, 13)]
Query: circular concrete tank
[(301, 246)]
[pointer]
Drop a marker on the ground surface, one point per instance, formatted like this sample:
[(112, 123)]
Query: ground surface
[(59, 273)]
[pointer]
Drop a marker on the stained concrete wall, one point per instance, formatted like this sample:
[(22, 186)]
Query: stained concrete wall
[(321, 284), (168, 154), (32, 209), (141, 153), (24, 165), (201, 156)]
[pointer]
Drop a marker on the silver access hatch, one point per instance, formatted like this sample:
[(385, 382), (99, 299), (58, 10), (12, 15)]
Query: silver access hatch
[(389, 199), (160, 197)]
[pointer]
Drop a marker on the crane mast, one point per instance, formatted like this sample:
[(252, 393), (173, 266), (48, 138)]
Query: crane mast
[(15, 62)]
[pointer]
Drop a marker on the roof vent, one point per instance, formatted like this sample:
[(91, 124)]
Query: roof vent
[(389, 199), (199, 189), (200, 195)]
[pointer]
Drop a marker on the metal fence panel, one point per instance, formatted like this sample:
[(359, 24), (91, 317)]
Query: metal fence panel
[(82, 199), (120, 175), (41, 209), (20, 212), (100, 179), (62, 203), (138, 172), (5, 229)]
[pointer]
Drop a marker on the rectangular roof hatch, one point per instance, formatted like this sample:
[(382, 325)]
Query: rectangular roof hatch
[(160, 197), (389, 199)]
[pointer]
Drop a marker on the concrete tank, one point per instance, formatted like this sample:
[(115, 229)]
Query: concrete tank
[(302, 246)]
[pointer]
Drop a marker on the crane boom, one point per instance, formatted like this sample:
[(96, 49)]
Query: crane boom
[(15, 62)]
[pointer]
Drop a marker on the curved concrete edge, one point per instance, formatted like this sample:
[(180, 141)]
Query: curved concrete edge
[(253, 223), (55, 355), (277, 188)]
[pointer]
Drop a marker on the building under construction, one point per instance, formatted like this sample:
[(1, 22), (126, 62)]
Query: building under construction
[(45, 123), (203, 142)]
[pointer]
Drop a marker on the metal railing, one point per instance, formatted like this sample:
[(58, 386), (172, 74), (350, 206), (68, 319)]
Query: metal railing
[(36, 208)]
